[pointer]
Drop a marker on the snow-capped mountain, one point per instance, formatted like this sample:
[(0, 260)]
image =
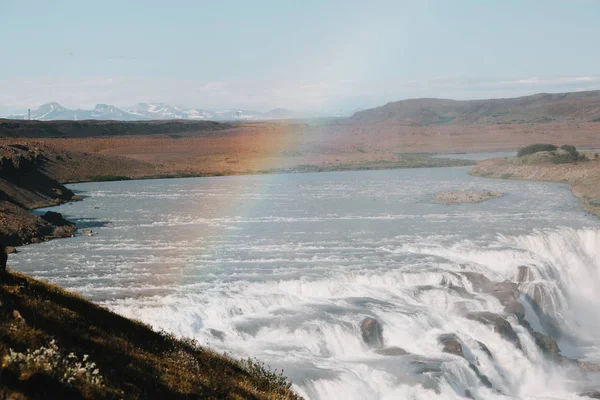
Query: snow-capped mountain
[(149, 111), (54, 111), (48, 112), (105, 111)]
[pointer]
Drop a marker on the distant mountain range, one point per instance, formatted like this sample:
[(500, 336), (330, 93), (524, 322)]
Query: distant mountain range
[(148, 111), (542, 107)]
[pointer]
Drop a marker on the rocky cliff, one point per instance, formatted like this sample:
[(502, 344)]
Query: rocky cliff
[(24, 185)]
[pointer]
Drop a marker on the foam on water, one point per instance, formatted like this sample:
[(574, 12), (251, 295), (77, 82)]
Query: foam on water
[(284, 268)]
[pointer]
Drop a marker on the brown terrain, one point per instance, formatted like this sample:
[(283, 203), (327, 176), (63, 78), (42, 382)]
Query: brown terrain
[(262, 146), (582, 177)]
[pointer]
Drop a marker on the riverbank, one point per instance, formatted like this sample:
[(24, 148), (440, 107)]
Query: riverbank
[(32, 174), (56, 344), (583, 177)]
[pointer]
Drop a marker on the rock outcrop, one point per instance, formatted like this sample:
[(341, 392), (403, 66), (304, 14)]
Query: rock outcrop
[(506, 292), (451, 344), (500, 325), (24, 185), (372, 333), (391, 351), (461, 197)]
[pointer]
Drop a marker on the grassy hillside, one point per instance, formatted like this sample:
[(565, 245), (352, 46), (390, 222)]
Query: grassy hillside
[(54, 344)]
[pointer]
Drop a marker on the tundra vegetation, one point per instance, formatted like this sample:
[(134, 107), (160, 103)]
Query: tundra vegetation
[(55, 344)]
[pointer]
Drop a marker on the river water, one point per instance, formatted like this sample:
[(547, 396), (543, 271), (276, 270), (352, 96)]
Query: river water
[(285, 267)]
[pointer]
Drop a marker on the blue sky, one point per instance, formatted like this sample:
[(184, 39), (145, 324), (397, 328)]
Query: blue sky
[(313, 56)]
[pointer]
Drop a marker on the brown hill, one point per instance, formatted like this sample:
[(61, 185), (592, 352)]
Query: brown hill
[(542, 107)]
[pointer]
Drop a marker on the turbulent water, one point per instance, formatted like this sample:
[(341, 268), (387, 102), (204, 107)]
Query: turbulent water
[(285, 267)]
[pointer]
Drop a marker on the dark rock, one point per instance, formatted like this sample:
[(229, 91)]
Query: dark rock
[(217, 334), (485, 349), (501, 326), (56, 219), (508, 295), (64, 231), (391, 351), (468, 394), (547, 344), (484, 379), (451, 344), (506, 292), (588, 366), (372, 332), (524, 274), (592, 395)]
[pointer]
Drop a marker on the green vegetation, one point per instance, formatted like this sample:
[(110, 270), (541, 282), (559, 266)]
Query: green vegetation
[(506, 176), (596, 156), (566, 154), (55, 344), (536, 148)]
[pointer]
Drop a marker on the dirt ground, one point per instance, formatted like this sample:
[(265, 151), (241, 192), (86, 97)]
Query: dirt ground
[(256, 147), (583, 177)]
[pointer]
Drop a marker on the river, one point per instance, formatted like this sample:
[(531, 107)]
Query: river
[(285, 268)]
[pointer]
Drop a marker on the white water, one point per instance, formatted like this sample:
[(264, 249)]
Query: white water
[(284, 268)]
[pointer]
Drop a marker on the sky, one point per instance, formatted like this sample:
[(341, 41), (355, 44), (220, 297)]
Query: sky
[(313, 56)]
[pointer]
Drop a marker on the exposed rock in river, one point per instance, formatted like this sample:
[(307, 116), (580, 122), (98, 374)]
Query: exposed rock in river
[(372, 332), (506, 292), (451, 344), (391, 351), (500, 325), (465, 197)]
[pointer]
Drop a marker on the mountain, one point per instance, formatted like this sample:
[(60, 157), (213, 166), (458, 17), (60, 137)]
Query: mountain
[(54, 111), (108, 112), (542, 107), (149, 111)]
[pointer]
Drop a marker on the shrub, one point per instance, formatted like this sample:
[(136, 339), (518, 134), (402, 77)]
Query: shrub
[(535, 148), (569, 148), (271, 379), (596, 156), (49, 360)]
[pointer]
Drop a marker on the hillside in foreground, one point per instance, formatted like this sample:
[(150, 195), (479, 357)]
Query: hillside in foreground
[(58, 345)]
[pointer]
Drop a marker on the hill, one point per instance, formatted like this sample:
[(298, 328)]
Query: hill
[(537, 108), (57, 345)]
